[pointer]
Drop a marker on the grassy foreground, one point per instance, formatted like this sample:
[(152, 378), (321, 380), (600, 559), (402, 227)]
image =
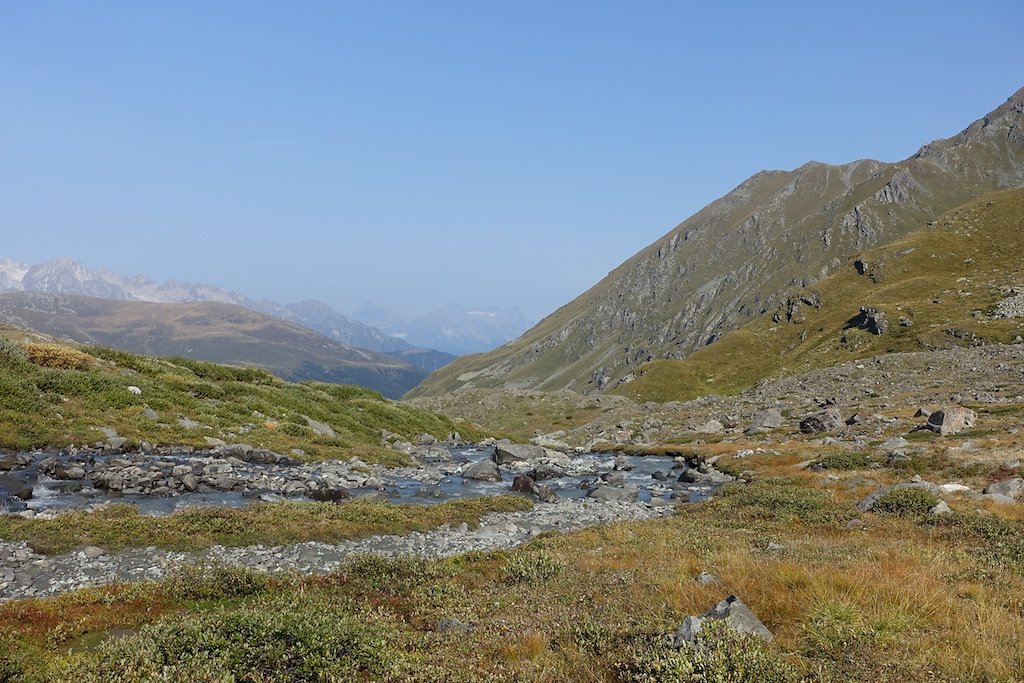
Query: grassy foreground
[(57, 395), (899, 596), (121, 526)]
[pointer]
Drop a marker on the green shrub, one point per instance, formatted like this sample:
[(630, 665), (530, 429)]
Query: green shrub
[(13, 660), (12, 354), (296, 430), (779, 499), (844, 461), (219, 582), (530, 567), (721, 656), (274, 640), (998, 540), (906, 502)]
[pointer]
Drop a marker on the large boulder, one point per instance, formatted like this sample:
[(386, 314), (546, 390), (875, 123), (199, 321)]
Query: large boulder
[(18, 484), (951, 420), (872, 320), (614, 493), (523, 484), (733, 612), (829, 420), (484, 470), (711, 427), (546, 471), (506, 452), (1011, 488), (764, 421), (13, 461)]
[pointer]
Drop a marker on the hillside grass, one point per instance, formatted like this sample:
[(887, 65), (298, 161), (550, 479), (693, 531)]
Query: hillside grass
[(899, 598), (946, 279), (57, 395)]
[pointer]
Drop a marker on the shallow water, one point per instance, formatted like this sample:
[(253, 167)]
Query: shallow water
[(434, 483)]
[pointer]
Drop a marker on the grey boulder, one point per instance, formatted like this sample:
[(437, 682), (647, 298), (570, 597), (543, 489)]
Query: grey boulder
[(764, 421), (828, 420), (506, 452), (733, 612), (484, 470), (951, 420), (19, 484), (1011, 488), (613, 494)]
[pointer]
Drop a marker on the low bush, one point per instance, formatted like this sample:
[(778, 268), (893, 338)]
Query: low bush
[(275, 639), (218, 582), (12, 353), (721, 656), (906, 502), (844, 461), (57, 356), (530, 567)]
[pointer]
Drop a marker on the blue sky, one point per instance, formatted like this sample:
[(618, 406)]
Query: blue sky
[(425, 153)]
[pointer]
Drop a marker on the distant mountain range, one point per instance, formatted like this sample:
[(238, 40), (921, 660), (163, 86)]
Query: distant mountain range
[(206, 330), (68, 276), (768, 240), (454, 329)]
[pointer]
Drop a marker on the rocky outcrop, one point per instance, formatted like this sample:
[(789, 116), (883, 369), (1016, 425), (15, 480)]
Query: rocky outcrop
[(872, 320)]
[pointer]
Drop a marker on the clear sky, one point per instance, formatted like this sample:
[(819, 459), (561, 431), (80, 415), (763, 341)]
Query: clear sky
[(432, 152)]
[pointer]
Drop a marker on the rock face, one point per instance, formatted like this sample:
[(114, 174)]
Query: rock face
[(733, 612), (742, 256), (951, 420)]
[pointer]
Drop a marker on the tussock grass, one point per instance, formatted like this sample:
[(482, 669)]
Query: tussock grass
[(122, 526)]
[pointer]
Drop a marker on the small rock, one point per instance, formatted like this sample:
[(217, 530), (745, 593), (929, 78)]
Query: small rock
[(706, 579), (93, 552), (827, 421), (941, 508)]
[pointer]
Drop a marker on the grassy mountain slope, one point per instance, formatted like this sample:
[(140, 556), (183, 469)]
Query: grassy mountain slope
[(56, 395), (947, 279), (743, 254), (222, 333)]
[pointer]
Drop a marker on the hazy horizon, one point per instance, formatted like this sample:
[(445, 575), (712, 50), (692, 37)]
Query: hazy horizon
[(452, 153)]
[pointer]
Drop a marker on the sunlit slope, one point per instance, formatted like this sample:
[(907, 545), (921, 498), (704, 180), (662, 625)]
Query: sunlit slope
[(947, 280), (741, 255), (56, 395)]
